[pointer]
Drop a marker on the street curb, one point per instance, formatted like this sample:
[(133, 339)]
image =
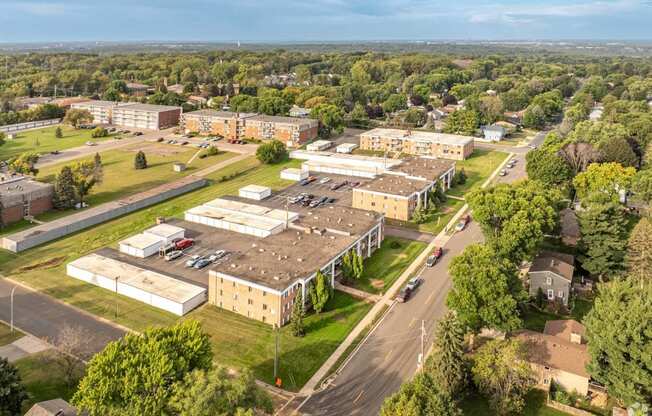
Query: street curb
[(83, 312)]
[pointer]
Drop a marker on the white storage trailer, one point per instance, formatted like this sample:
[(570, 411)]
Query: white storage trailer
[(142, 245), (346, 148), (319, 145), (152, 288), (293, 174), (167, 232), (255, 192)]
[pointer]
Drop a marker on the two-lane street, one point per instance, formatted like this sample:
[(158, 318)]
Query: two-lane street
[(390, 354)]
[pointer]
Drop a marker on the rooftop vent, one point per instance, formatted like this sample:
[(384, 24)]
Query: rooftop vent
[(233, 266), (299, 259)]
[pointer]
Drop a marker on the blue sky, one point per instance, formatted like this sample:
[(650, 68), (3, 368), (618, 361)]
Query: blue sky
[(314, 20)]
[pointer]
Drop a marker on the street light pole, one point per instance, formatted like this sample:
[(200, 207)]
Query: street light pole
[(12, 308)]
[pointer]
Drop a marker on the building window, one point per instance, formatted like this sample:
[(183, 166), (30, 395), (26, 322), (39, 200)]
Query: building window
[(264, 307), (221, 293), (264, 319), (560, 294), (551, 294), (264, 293), (233, 284), (235, 296), (548, 280), (250, 301), (233, 308), (250, 289)]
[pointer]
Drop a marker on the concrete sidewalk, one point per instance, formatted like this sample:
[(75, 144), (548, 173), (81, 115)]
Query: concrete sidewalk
[(356, 293), (23, 347)]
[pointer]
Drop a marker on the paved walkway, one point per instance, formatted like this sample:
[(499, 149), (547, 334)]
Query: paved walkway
[(356, 293), (207, 171), (23, 347)]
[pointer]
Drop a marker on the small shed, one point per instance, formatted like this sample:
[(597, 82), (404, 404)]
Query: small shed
[(179, 167), (167, 232), (294, 174), (255, 192), (346, 148), (319, 145), (141, 245)]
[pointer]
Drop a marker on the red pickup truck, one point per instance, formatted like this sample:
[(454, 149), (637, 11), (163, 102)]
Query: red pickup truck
[(185, 243)]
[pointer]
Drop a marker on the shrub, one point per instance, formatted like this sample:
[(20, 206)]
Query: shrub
[(140, 161), (272, 152), (395, 245), (99, 132), (212, 151), (58, 133)]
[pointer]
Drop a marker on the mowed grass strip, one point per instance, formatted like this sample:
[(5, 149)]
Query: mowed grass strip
[(43, 267), (6, 336), (43, 141), (387, 263), (478, 167), (241, 342)]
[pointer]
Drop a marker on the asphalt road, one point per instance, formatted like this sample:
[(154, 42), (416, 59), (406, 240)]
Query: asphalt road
[(389, 355), (43, 317)]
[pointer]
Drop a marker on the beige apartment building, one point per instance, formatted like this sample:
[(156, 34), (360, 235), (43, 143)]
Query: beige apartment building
[(134, 115), (399, 191), (262, 282), (292, 131), (419, 143)]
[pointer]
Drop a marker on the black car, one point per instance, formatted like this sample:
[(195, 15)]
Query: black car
[(404, 295)]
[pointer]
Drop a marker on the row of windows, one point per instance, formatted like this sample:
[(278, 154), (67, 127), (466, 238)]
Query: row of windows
[(234, 284)]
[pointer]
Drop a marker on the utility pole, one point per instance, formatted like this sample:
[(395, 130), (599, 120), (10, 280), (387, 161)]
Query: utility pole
[(116, 296), (275, 352), (422, 358), (12, 308)]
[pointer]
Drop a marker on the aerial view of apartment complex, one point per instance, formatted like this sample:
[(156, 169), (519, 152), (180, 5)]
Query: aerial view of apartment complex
[(292, 131), (134, 115), (449, 146)]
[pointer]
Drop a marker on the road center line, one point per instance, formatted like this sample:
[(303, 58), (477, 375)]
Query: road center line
[(358, 398)]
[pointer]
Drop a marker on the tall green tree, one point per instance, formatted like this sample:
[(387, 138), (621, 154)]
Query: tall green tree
[(298, 313), (462, 122), (216, 392), (486, 290), (642, 186), (420, 397), (619, 334), (639, 250), (501, 371), (12, 390), (320, 292), (136, 374), (446, 365), (58, 133), (603, 239), (271, 152), (515, 217), (76, 117), (548, 167), (140, 160), (331, 119), (64, 189), (604, 180), (85, 176)]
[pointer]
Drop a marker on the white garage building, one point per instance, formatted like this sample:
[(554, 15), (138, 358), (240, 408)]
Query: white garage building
[(141, 245), (167, 232), (319, 145), (255, 192), (294, 174), (155, 289)]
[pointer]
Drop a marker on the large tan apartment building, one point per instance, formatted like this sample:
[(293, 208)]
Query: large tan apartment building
[(420, 143), (134, 115), (401, 189), (292, 131)]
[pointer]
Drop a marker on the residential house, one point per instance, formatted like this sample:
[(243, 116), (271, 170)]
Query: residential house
[(137, 89), (297, 111), (558, 355), (55, 407), (552, 272), (493, 133)]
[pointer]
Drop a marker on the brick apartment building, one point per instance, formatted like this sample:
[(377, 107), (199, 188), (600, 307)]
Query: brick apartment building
[(134, 115), (292, 131), (421, 143), (21, 197), (401, 189)]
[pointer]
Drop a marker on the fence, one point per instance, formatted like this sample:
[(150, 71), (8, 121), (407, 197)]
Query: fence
[(12, 128), (76, 222)]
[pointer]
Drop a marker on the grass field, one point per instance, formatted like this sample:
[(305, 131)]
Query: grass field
[(121, 179), (535, 319), (387, 263), (238, 341), (478, 168), (43, 141), (6, 336), (535, 405), (42, 379)]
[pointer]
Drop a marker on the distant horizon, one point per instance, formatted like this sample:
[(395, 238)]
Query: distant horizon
[(289, 21), (327, 41)]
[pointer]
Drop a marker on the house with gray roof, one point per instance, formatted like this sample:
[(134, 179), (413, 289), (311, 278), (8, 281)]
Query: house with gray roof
[(552, 272)]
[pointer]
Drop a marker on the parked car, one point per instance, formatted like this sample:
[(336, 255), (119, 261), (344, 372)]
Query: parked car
[(54, 152), (201, 263), (434, 257), (324, 180), (89, 143), (404, 295), (461, 225), (173, 255), (354, 184), (138, 133), (193, 260), (185, 243), (295, 199), (331, 200), (336, 186), (414, 283), (304, 182), (183, 143), (502, 173), (160, 139)]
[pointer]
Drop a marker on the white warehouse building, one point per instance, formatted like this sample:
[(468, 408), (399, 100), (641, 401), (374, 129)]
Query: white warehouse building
[(255, 192), (152, 288)]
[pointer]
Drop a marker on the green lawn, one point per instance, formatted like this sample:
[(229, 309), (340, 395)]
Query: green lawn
[(387, 263), (43, 141), (238, 341), (535, 319), (121, 179), (42, 379), (43, 267), (478, 167), (477, 405), (6, 336)]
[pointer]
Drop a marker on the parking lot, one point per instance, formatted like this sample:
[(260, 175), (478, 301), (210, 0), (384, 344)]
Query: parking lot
[(207, 241), (317, 188)]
